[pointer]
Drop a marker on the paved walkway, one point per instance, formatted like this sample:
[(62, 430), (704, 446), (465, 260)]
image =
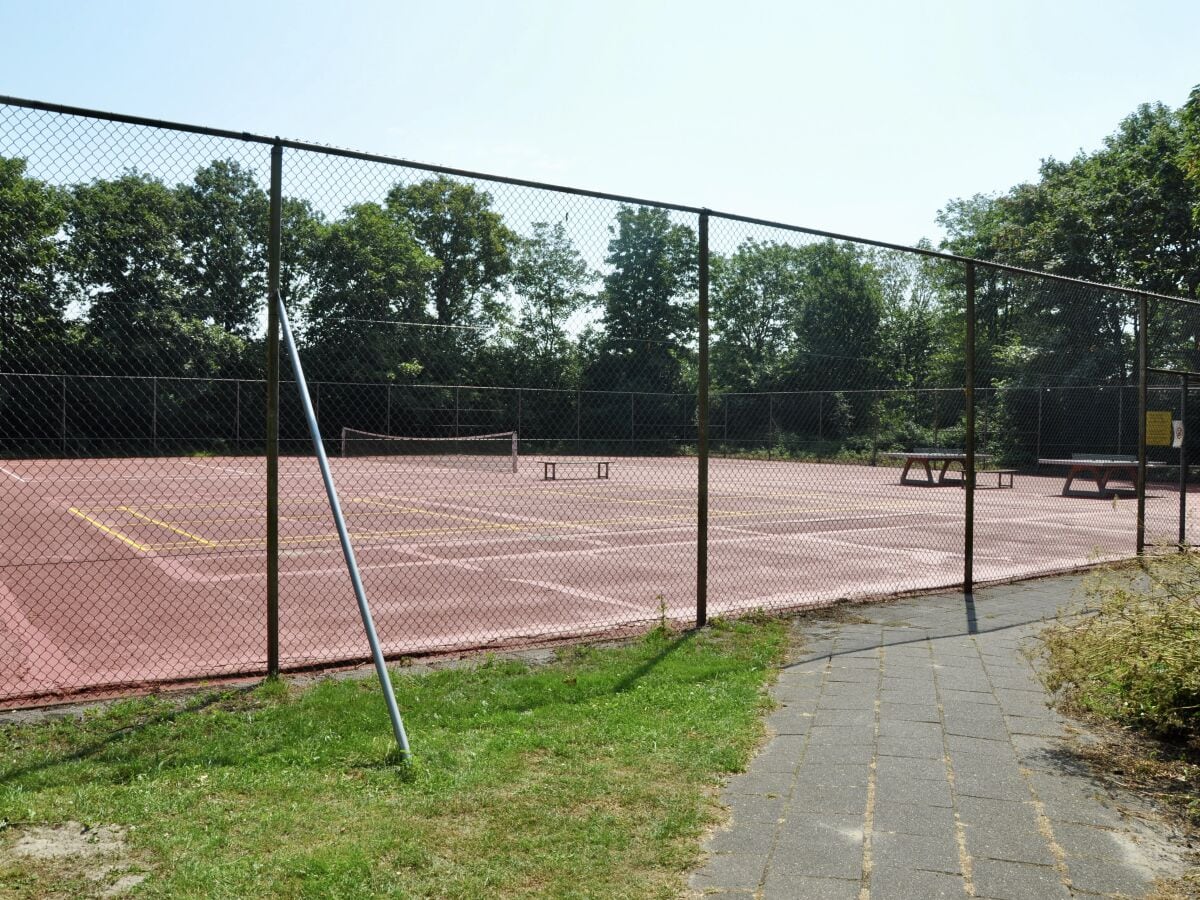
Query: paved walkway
[(913, 756)]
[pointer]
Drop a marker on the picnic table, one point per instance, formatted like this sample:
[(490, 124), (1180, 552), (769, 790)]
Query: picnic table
[(1101, 470), (926, 457)]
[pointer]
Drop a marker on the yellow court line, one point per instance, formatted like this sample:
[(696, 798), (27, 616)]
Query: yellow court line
[(166, 525), (332, 537), (261, 518), (109, 531)]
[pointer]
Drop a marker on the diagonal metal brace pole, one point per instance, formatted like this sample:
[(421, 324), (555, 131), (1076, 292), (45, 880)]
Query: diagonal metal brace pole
[(364, 610)]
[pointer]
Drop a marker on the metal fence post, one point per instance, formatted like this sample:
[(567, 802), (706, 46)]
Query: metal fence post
[(578, 416), (274, 239), (770, 424), (1142, 328), (63, 420), (1120, 415), (237, 415), (874, 427), (1183, 398), (969, 474), (154, 415), (1037, 454), (702, 441)]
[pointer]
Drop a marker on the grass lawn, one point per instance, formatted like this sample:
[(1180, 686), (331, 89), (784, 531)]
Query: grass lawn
[(591, 776)]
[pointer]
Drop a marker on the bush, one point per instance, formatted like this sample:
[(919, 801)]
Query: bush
[(1136, 659)]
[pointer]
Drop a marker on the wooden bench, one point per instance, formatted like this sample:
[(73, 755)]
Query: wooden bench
[(550, 468), (1000, 474)]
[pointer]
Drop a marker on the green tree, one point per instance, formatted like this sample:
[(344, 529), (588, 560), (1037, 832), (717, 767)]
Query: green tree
[(368, 274), (551, 280), (223, 222), (754, 295), (649, 305), (455, 225), (128, 265), (837, 319), (32, 303)]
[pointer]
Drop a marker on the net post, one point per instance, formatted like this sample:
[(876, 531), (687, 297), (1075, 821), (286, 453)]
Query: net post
[(515, 455), (969, 463), (1142, 327), (274, 240), (702, 432)]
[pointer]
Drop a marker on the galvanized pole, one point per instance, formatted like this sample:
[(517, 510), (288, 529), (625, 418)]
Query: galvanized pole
[(273, 257), (969, 465), (385, 681), (702, 435), (1142, 328), (237, 416)]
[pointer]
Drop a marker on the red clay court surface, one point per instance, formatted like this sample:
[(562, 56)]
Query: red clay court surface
[(116, 572)]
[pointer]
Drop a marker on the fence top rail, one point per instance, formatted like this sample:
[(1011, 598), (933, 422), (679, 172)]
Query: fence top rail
[(306, 146)]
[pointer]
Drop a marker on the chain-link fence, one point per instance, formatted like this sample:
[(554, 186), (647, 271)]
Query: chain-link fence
[(550, 413)]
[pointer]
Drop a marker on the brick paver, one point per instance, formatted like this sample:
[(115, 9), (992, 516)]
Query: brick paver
[(913, 755)]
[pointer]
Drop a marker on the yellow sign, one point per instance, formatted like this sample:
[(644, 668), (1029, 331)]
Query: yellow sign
[(1158, 428)]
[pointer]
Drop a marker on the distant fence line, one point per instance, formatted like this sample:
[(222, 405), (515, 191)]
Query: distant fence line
[(56, 413)]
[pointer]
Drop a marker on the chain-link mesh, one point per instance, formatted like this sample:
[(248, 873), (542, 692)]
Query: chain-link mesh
[(506, 378), (132, 277)]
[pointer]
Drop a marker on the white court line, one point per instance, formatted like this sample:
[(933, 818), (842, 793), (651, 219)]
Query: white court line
[(188, 462), (12, 474), (441, 560), (576, 592)]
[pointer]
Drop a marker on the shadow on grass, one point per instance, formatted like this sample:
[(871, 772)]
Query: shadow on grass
[(101, 744), (644, 668)]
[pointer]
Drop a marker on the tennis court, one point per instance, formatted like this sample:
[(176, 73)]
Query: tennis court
[(117, 572)]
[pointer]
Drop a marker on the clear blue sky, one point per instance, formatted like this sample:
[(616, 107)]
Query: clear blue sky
[(860, 117)]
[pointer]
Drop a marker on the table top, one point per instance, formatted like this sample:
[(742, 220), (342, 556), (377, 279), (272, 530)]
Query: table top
[(1098, 461), (914, 454)]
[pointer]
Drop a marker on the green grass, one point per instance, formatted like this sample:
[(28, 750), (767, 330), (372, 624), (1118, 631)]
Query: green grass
[(590, 777)]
